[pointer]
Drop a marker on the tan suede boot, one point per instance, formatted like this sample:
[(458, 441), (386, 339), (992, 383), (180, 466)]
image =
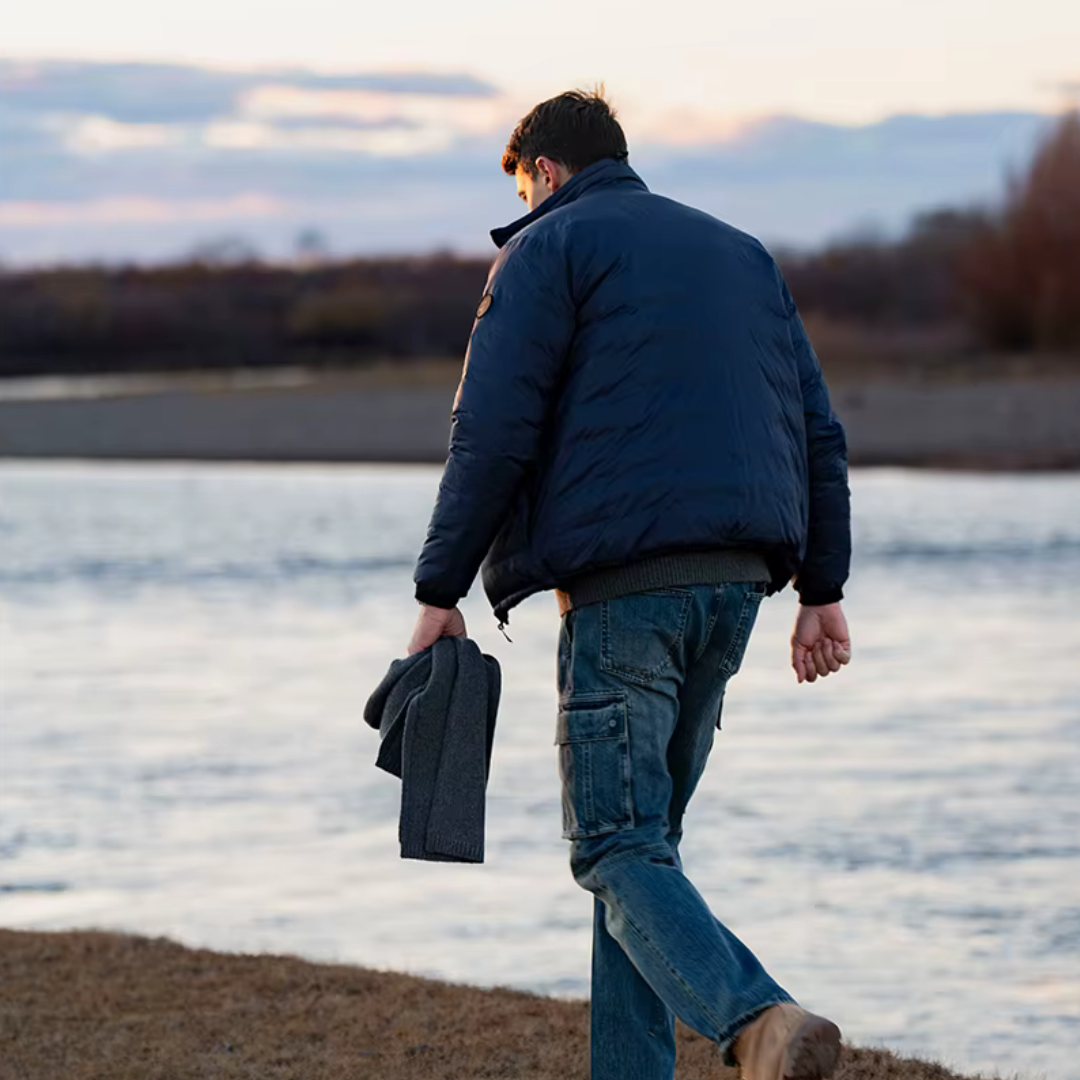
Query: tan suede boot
[(787, 1043)]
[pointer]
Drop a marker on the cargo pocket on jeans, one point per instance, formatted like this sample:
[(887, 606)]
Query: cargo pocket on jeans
[(594, 765)]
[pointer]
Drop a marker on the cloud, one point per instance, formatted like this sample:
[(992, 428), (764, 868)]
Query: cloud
[(105, 130), (428, 84), (176, 93), (794, 181), (451, 116), (134, 93), (29, 215), (144, 160)]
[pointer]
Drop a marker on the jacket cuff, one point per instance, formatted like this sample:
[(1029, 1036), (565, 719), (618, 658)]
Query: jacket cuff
[(427, 594), (817, 596)]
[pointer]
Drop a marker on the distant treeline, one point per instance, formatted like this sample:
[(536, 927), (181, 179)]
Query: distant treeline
[(1010, 276), (206, 315)]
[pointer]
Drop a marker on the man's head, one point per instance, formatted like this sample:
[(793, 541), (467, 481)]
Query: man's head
[(558, 138)]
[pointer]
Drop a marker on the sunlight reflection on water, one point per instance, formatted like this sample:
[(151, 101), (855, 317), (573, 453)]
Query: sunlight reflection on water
[(184, 655)]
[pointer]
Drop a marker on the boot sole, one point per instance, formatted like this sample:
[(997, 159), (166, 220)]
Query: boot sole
[(813, 1050)]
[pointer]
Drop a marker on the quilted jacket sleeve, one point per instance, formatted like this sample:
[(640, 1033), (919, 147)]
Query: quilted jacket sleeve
[(827, 561), (512, 367)]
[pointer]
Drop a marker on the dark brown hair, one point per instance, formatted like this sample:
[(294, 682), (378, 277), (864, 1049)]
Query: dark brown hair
[(575, 129)]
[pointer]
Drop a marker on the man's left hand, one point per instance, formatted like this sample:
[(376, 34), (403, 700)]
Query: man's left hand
[(821, 642), (434, 623)]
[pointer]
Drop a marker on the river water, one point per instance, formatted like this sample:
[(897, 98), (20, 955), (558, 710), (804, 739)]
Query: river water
[(185, 650)]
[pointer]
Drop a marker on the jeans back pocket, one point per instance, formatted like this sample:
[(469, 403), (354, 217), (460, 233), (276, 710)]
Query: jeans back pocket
[(594, 765), (640, 632), (749, 599)]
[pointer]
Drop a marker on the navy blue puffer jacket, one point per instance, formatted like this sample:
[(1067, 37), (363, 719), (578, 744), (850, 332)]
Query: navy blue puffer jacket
[(637, 382)]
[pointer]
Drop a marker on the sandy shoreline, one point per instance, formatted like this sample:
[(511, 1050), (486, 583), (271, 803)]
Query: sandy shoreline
[(402, 415), (92, 1005)]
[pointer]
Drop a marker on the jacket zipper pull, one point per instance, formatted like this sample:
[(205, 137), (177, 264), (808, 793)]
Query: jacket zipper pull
[(502, 624)]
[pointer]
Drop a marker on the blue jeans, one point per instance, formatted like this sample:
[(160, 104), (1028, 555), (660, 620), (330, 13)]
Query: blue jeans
[(641, 682)]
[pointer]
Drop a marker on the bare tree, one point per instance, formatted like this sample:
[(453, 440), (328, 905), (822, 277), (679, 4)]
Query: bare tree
[(1021, 272)]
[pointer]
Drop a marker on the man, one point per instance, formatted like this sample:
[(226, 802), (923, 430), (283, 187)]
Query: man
[(642, 425)]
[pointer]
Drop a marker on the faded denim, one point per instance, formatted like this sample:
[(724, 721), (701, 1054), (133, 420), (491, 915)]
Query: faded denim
[(641, 683)]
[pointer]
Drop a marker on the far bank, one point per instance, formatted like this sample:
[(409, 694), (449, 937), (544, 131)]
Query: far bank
[(402, 414)]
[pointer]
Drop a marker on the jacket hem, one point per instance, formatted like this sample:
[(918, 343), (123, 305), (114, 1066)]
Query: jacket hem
[(662, 571)]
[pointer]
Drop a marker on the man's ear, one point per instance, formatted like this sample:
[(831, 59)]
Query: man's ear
[(550, 171)]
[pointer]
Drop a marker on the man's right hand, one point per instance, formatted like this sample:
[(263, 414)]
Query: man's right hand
[(433, 623), (821, 642)]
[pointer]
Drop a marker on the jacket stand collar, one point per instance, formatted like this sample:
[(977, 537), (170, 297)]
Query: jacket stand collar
[(599, 174)]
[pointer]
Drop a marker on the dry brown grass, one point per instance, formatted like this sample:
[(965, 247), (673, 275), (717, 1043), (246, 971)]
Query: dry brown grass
[(90, 1005), (853, 355)]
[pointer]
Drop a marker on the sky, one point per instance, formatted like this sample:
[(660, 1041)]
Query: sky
[(848, 61), (140, 130)]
